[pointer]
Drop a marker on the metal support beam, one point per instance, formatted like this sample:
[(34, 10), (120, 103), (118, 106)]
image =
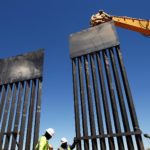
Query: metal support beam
[(76, 103), (97, 102), (105, 102), (121, 100), (113, 100), (129, 98), (90, 102), (83, 104)]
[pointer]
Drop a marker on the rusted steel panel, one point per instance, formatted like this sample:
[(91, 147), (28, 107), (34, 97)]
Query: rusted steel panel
[(90, 103), (129, 99), (24, 116), (105, 101), (21, 67), (38, 112), (76, 103), (97, 102), (2, 100), (105, 107), (83, 104), (31, 115), (113, 100), (11, 116), (5, 115), (121, 100), (93, 39), (19, 116)]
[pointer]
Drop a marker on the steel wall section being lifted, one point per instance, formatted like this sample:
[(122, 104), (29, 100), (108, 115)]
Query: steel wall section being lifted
[(20, 100), (105, 116)]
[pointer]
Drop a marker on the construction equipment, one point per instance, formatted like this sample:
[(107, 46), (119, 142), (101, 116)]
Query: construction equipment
[(139, 25)]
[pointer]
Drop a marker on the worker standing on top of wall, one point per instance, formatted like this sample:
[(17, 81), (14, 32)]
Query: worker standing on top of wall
[(64, 144), (43, 141)]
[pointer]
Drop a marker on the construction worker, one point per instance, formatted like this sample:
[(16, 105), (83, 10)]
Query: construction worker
[(64, 144), (43, 141)]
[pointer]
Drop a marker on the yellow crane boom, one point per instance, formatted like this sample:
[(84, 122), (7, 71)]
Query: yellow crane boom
[(139, 25)]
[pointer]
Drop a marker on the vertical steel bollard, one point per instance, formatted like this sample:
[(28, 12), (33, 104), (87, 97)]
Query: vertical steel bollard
[(20, 100), (100, 69)]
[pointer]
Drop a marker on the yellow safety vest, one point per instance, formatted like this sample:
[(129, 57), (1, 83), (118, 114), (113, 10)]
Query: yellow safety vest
[(68, 148), (42, 144)]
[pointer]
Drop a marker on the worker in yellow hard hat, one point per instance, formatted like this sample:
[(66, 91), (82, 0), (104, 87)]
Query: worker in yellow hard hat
[(43, 141), (64, 144)]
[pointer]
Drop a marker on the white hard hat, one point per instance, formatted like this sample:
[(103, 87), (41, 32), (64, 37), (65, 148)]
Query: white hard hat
[(63, 140), (50, 131)]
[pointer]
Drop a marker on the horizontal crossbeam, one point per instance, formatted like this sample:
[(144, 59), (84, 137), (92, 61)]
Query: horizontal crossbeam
[(109, 135)]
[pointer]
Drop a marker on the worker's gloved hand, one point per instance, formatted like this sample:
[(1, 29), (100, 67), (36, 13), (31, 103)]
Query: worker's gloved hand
[(76, 140)]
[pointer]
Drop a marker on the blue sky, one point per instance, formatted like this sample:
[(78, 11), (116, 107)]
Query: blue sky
[(29, 25)]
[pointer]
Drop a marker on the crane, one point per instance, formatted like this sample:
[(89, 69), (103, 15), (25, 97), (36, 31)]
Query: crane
[(139, 25)]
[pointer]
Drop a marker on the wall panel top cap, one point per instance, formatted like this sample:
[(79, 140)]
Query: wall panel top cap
[(21, 67), (93, 39)]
